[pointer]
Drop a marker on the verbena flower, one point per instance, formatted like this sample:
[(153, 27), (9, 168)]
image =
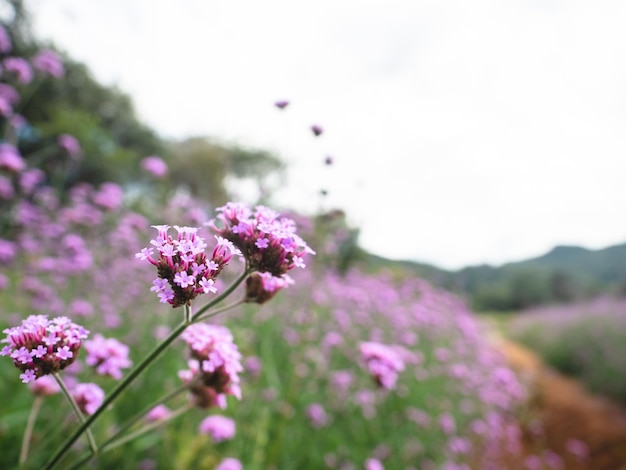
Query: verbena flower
[(229, 463), (49, 62), (220, 428), (154, 166), (261, 287), (40, 346), (10, 158), (88, 397), (107, 355), (184, 270), (317, 130), (214, 366), (268, 242), (109, 196), (158, 413), (70, 144), (317, 415), (44, 386), (383, 363), (20, 67), (374, 464)]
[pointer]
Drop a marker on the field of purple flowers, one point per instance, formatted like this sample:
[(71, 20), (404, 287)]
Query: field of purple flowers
[(586, 340), (197, 345), (337, 372)]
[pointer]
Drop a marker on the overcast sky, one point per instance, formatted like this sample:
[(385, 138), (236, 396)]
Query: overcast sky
[(462, 132)]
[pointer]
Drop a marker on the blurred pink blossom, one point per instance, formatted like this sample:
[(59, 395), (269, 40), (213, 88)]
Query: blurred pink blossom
[(10, 158), (220, 428), (49, 62), (154, 166)]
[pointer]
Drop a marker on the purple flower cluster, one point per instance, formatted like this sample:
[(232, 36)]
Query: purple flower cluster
[(40, 346), (107, 355), (88, 397), (268, 242), (383, 362), (154, 166), (214, 365), (220, 428), (184, 271)]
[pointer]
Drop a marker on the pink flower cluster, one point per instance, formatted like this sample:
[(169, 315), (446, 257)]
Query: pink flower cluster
[(383, 362), (107, 355), (183, 269), (40, 346), (220, 428), (214, 365), (268, 242), (88, 397), (154, 166)]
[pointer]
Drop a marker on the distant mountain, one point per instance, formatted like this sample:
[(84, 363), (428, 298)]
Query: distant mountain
[(565, 273)]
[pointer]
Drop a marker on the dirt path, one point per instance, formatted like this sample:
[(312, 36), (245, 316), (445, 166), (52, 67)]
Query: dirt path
[(568, 426)]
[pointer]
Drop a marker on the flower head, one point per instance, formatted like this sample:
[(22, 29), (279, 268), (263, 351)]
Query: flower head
[(107, 355), (70, 144), (44, 386), (154, 166), (40, 346), (88, 397), (158, 413), (229, 463), (183, 268), (10, 158), (383, 363), (261, 287), (49, 62), (220, 428), (20, 68), (268, 242), (214, 366), (317, 130)]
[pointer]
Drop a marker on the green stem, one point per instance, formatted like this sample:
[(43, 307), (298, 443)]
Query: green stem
[(223, 295), (217, 311), (28, 432), (79, 413), (187, 313), (126, 381)]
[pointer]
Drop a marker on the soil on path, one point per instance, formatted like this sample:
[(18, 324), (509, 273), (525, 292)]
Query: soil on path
[(585, 431)]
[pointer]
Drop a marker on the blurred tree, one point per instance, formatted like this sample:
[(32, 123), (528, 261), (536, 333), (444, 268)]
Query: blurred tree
[(562, 286), (101, 118), (202, 167)]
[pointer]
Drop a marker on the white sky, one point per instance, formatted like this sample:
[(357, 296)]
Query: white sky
[(462, 132)]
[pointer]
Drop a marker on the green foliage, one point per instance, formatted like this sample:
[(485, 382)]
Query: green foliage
[(204, 168), (565, 274)]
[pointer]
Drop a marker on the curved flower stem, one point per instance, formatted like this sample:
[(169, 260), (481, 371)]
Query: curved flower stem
[(79, 413), (113, 443), (223, 295), (217, 311), (28, 432), (126, 381)]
